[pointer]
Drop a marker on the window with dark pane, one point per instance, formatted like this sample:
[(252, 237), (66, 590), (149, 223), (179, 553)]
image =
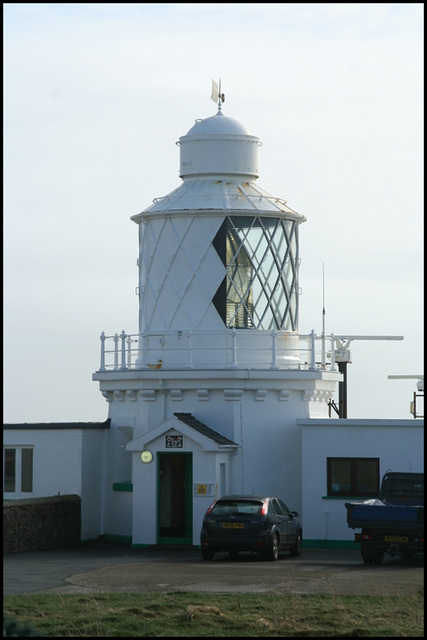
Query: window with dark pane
[(353, 477), (9, 470), (27, 470)]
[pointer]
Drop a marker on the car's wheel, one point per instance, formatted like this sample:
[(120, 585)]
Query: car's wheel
[(233, 553), (273, 552), (296, 549), (207, 554)]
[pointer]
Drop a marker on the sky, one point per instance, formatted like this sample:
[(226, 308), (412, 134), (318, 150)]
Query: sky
[(95, 98)]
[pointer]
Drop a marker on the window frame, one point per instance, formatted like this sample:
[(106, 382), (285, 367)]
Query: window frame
[(24, 470), (354, 491)]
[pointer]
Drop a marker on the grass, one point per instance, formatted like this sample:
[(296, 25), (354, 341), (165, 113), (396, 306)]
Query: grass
[(187, 614)]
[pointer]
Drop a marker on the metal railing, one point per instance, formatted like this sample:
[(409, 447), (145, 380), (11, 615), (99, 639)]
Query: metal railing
[(229, 349)]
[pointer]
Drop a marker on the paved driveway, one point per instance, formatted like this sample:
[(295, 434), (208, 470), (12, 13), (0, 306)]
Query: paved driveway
[(108, 567)]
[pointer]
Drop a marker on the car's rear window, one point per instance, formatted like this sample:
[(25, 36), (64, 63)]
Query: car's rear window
[(228, 507)]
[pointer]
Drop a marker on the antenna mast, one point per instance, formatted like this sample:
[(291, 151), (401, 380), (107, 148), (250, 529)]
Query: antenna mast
[(323, 321)]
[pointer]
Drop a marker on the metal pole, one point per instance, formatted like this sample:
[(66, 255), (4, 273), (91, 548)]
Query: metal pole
[(342, 390), (312, 351), (123, 366), (102, 368)]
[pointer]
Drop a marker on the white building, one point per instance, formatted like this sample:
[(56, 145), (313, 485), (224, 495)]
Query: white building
[(216, 392)]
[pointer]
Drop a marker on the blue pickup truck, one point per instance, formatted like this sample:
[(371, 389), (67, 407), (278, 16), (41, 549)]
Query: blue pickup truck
[(392, 523)]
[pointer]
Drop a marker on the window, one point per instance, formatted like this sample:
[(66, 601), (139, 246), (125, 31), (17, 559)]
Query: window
[(261, 258), (245, 507), (353, 477), (18, 470), (284, 508), (275, 508), (9, 483)]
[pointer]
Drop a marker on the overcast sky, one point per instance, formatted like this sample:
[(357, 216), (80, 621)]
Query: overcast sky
[(95, 97)]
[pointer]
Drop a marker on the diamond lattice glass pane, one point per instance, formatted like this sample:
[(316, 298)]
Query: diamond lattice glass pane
[(261, 258)]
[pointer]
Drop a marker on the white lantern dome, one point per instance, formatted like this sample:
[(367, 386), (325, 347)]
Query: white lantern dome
[(218, 146)]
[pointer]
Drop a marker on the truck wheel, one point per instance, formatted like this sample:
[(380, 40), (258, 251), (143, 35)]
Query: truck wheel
[(374, 559), (371, 555)]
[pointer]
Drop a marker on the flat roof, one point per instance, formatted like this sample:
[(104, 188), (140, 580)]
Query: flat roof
[(359, 422), (33, 426)]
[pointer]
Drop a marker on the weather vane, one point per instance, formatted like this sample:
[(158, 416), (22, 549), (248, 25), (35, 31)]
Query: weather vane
[(216, 95)]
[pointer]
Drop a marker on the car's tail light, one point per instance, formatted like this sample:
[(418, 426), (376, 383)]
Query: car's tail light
[(211, 507), (264, 508)]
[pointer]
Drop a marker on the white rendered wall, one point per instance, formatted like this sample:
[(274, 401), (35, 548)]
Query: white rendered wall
[(65, 461), (116, 506), (256, 410), (57, 460), (399, 445), (94, 447)]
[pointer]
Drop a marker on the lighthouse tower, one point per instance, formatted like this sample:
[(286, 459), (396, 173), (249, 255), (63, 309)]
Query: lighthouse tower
[(204, 398)]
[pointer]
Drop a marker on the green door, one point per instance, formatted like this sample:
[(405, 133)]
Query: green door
[(175, 498)]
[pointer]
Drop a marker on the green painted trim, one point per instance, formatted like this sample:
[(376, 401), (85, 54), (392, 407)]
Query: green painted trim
[(308, 544), (89, 540), (123, 486), (188, 497), (112, 537), (330, 544), (187, 538)]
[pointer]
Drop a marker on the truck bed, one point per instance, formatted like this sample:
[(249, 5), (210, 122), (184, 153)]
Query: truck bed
[(392, 523), (378, 513)]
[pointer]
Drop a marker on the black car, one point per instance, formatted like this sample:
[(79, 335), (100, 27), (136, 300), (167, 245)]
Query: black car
[(261, 524)]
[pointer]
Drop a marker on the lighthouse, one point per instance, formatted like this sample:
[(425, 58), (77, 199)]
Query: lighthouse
[(205, 396)]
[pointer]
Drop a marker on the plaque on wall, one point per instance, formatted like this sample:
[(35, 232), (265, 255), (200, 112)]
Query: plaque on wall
[(174, 442)]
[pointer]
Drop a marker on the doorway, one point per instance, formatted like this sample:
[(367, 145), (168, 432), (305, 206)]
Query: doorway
[(175, 498)]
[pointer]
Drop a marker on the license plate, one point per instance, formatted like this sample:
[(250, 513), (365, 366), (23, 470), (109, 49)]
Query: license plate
[(232, 525), (396, 538)]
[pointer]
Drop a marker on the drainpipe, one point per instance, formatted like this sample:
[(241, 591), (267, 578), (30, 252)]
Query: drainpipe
[(241, 445), (342, 390)]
